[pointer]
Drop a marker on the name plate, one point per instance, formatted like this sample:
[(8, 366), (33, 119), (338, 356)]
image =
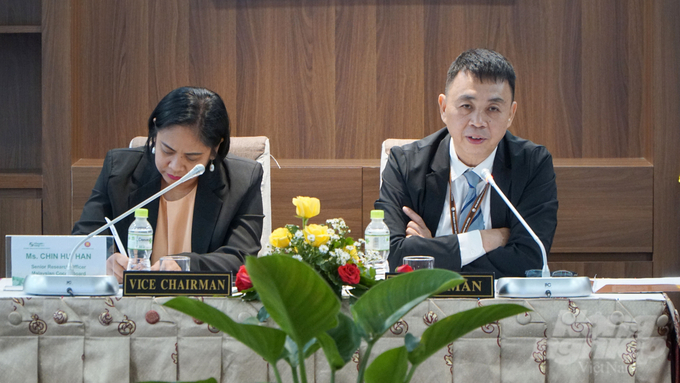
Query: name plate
[(476, 285), (49, 254), (172, 283)]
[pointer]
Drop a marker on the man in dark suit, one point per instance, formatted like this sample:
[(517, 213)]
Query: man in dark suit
[(434, 200)]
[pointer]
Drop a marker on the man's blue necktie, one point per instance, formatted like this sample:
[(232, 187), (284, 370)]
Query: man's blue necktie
[(478, 221)]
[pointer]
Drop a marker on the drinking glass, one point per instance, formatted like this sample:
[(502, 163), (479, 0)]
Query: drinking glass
[(174, 263), (419, 262)]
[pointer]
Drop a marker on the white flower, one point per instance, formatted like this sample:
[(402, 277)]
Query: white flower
[(342, 256), (298, 234), (323, 249), (311, 238), (335, 237), (298, 257)]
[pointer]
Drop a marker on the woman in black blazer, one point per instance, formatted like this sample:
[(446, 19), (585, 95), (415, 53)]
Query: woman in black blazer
[(189, 126)]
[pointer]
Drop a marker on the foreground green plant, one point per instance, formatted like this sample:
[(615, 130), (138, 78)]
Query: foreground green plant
[(307, 312)]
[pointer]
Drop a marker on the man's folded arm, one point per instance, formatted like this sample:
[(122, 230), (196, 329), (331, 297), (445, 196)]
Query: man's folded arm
[(394, 196)]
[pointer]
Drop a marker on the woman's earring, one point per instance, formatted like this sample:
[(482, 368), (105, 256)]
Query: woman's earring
[(153, 150), (212, 165)]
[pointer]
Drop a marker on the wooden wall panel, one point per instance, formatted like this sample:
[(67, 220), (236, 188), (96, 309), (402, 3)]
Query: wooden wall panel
[(20, 12), (112, 55), (212, 52), (546, 56), (612, 61), (20, 97), (355, 81), (400, 74), (57, 108), (666, 124), (333, 79), (285, 75), (21, 212), (605, 206), (168, 48)]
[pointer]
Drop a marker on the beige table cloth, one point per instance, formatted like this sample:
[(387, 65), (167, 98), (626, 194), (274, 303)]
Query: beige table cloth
[(608, 338)]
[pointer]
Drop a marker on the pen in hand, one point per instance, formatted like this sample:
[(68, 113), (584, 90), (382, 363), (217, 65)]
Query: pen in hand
[(119, 243)]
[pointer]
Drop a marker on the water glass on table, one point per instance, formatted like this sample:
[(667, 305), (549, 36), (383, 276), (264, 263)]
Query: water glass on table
[(174, 263), (419, 262)]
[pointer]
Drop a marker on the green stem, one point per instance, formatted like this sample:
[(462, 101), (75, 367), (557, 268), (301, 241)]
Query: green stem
[(410, 373), (276, 373), (303, 370), (294, 373), (364, 362), (332, 375)]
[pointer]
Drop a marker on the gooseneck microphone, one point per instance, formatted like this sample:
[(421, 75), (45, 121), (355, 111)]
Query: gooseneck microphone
[(544, 286), (489, 179), (92, 284)]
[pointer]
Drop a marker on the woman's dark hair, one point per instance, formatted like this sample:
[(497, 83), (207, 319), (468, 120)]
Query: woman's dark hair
[(196, 108)]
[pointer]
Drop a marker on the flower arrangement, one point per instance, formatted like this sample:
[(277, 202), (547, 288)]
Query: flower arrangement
[(328, 248)]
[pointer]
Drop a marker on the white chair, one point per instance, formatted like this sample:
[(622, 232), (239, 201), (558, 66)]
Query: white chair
[(385, 150), (255, 148)]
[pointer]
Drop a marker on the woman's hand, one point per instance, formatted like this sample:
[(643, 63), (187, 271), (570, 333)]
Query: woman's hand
[(116, 264)]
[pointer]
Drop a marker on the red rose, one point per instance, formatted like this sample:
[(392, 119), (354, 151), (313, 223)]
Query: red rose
[(349, 274), (404, 269), (243, 279)]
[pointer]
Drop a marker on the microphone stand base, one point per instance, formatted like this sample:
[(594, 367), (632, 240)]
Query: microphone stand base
[(66, 285), (549, 287)]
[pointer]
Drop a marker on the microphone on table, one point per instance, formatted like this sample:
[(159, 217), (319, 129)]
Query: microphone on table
[(92, 284), (545, 285)]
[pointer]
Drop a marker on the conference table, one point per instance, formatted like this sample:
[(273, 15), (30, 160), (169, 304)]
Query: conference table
[(602, 338)]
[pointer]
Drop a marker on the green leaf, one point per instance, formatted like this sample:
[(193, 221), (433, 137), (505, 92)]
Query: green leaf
[(340, 343), (262, 314), (296, 297), (385, 303), (389, 367), (265, 341), (446, 330), (411, 342)]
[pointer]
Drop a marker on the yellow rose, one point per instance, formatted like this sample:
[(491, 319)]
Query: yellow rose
[(316, 235), (280, 237), (306, 207)]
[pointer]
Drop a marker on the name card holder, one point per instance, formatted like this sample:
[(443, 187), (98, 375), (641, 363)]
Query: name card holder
[(476, 285), (172, 283)]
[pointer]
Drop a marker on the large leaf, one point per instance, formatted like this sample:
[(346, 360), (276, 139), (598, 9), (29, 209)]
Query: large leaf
[(384, 304), (340, 343), (445, 331), (389, 367), (265, 341), (296, 297)]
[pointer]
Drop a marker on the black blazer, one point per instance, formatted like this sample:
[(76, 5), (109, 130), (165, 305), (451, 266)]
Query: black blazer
[(416, 176), (227, 220)]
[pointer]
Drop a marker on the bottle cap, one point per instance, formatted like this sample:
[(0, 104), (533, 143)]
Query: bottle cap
[(377, 214), (141, 213)]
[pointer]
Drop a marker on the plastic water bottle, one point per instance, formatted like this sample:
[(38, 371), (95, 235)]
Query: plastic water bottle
[(140, 242), (377, 238)]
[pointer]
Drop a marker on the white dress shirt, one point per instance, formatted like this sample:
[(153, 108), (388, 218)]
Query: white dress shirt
[(471, 246)]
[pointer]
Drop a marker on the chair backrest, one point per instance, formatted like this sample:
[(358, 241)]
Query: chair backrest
[(254, 148), (385, 150)]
